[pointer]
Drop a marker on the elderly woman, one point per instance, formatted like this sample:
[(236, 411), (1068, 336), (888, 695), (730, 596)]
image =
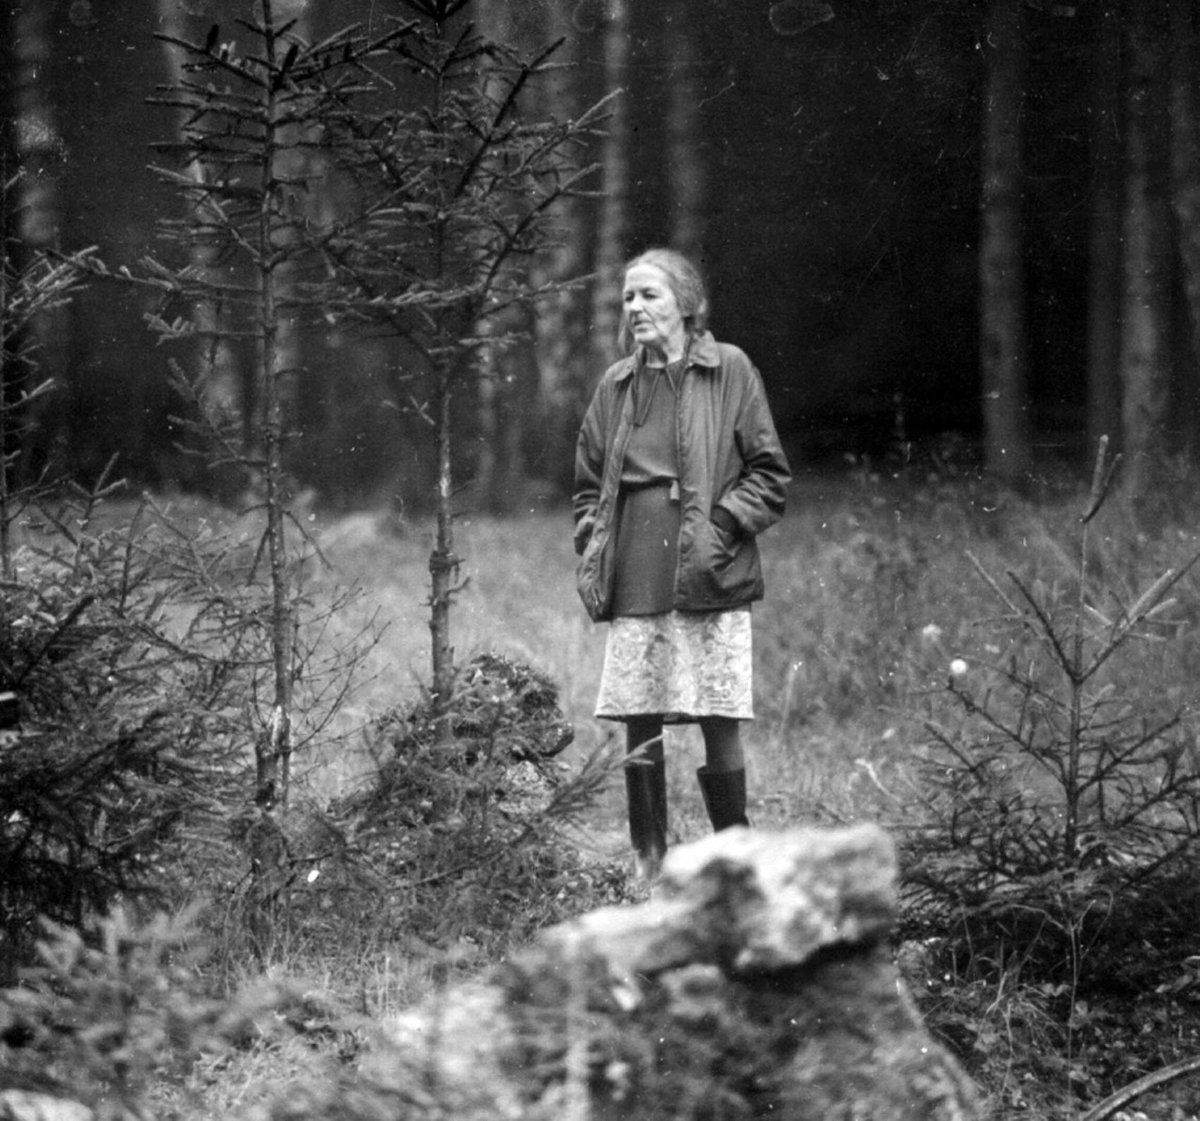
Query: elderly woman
[(678, 469)]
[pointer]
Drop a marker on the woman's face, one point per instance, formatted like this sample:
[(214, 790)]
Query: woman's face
[(652, 312)]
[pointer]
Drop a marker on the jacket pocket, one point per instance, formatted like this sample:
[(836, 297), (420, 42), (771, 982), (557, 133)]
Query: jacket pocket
[(727, 571), (592, 579)]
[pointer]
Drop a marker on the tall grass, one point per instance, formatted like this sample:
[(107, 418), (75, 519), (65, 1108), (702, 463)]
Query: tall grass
[(519, 600), (870, 595)]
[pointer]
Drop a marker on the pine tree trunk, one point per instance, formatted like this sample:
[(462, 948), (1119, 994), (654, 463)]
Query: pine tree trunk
[(1146, 308), (1185, 193), (35, 205), (274, 758), (1007, 447), (299, 140), (612, 231), (12, 262), (561, 350), (1104, 250), (443, 561), (685, 152), (228, 382), (497, 464)]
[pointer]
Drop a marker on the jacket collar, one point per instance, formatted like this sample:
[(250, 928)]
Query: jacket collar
[(703, 352)]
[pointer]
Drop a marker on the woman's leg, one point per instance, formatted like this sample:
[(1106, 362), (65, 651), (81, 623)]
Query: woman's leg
[(723, 776), (646, 793), (647, 732), (722, 744)]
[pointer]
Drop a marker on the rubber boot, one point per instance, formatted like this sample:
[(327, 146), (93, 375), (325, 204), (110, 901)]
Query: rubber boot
[(646, 791), (724, 797)]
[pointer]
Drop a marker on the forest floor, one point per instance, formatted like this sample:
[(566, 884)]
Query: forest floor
[(871, 594)]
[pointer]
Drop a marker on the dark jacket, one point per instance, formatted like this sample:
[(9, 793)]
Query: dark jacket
[(729, 456)]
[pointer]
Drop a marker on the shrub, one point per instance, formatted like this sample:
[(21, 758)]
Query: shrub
[(1057, 856), (110, 1011), (462, 840), (129, 746)]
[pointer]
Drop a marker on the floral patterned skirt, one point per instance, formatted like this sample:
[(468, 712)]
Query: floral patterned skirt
[(682, 665)]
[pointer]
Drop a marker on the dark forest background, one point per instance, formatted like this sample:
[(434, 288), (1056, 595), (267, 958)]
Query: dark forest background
[(942, 228)]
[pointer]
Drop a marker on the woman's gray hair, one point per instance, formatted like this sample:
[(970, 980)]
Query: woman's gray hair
[(686, 284)]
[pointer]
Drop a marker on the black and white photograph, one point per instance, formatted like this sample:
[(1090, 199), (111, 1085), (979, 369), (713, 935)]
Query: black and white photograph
[(599, 560)]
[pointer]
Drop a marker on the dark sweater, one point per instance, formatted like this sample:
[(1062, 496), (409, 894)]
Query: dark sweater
[(647, 542)]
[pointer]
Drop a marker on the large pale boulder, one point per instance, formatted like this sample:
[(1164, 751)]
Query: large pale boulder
[(756, 982)]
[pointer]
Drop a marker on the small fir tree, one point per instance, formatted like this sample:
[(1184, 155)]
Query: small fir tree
[(387, 182), (249, 152), (31, 287), (453, 193), (1064, 796)]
